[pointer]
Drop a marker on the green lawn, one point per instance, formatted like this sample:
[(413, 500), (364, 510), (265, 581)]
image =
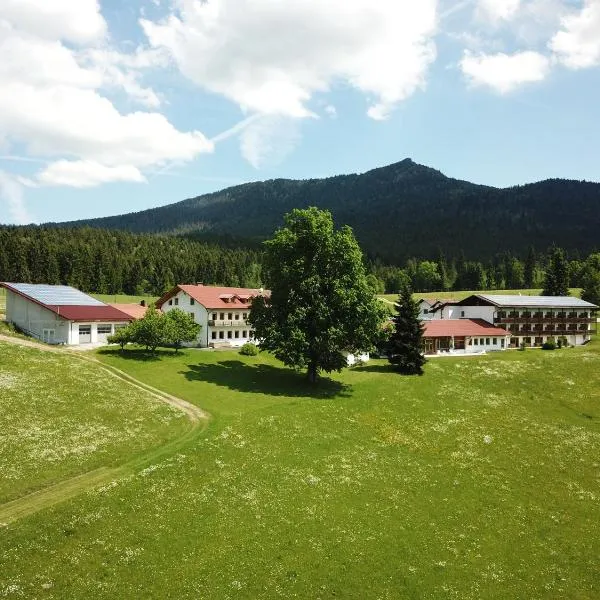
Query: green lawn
[(124, 299), (477, 480), (61, 416), (460, 295)]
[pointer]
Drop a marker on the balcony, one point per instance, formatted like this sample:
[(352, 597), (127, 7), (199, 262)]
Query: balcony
[(234, 323)]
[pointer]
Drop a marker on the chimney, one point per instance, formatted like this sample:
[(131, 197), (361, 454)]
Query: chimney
[(143, 303)]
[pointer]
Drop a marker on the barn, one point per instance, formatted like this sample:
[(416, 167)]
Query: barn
[(59, 314)]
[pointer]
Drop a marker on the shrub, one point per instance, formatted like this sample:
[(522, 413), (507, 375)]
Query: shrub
[(249, 349), (523, 347), (549, 344)]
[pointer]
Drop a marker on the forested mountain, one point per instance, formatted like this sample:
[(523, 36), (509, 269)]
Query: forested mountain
[(397, 211)]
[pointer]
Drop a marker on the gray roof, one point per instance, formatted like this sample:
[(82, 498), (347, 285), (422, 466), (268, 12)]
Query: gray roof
[(538, 301), (55, 295)]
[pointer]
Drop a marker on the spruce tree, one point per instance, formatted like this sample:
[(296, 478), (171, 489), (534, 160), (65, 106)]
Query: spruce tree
[(556, 281), (530, 268), (405, 344)]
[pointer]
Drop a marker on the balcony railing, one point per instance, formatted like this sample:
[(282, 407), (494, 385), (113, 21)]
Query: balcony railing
[(234, 323)]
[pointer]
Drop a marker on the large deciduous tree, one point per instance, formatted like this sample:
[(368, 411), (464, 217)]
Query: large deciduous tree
[(405, 344), (321, 304), (556, 282), (179, 327)]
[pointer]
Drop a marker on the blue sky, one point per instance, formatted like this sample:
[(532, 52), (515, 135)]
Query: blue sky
[(110, 107)]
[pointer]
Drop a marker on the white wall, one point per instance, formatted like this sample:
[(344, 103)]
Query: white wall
[(184, 303), (34, 319)]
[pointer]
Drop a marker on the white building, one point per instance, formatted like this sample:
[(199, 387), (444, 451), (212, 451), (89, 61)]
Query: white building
[(58, 314), (529, 320), (221, 311)]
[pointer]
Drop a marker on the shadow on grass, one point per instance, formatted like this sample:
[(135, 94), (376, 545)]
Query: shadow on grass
[(264, 379), (138, 354), (376, 369)]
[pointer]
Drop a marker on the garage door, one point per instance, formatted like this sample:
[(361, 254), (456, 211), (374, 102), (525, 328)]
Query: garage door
[(85, 334), (103, 332)]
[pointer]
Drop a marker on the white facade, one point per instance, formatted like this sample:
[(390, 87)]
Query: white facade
[(47, 326), (523, 329), (37, 321), (225, 326)]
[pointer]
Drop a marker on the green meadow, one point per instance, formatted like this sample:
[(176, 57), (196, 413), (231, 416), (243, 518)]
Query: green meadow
[(61, 416), (462, 294), (478, 480)]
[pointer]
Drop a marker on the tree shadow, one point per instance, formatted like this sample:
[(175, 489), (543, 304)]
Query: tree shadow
[(138, 354), (376, 369), (264, 379)]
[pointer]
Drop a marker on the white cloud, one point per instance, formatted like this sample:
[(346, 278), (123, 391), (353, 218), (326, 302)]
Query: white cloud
[(86, 173), (268, 140), (77, 21), (11, 191), (498, 10), (52, 101), (577, 45), (504, 72), (331, 111), (271, 57)]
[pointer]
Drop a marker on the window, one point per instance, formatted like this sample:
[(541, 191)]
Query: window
[(214, 316), (176, 301), (495, 342), (244, 334), (222, 316), (487, 341), (85, 330), (470, 342), (237, 335), (481, 342), (237, 316), (502, 343), (221, 335), (192, 302), (476, 341), (170, 302), (462, 313), (425, 311), (230, 316), (214, 335), (245, 316), (229, 335), (104, 329)]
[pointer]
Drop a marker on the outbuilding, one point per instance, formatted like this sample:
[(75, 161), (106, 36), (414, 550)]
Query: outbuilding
[(60, 314)]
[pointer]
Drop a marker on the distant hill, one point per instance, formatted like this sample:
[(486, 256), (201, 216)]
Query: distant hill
[(398, 211)]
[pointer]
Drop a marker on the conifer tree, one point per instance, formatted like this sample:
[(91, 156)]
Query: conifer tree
[(556, 282), (405, 344)]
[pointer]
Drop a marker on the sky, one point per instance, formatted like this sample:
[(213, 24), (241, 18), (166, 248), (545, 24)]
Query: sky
[(109, 107)]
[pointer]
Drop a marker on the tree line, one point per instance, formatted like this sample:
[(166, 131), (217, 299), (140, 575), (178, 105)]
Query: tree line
[(113, 262)]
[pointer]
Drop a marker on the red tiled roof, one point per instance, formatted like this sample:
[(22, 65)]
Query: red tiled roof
[(461, 328), (135, 311), (89, 313), (214, 297)]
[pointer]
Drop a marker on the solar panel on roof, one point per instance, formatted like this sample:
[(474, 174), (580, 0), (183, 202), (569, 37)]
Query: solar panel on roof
[(56, 295)]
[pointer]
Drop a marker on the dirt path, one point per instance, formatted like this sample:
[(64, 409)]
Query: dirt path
[(73, 486)]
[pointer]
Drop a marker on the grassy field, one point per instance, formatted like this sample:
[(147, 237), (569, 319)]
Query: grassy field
[(478, 480), (460, 295), (124, 299), (60, 416)]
